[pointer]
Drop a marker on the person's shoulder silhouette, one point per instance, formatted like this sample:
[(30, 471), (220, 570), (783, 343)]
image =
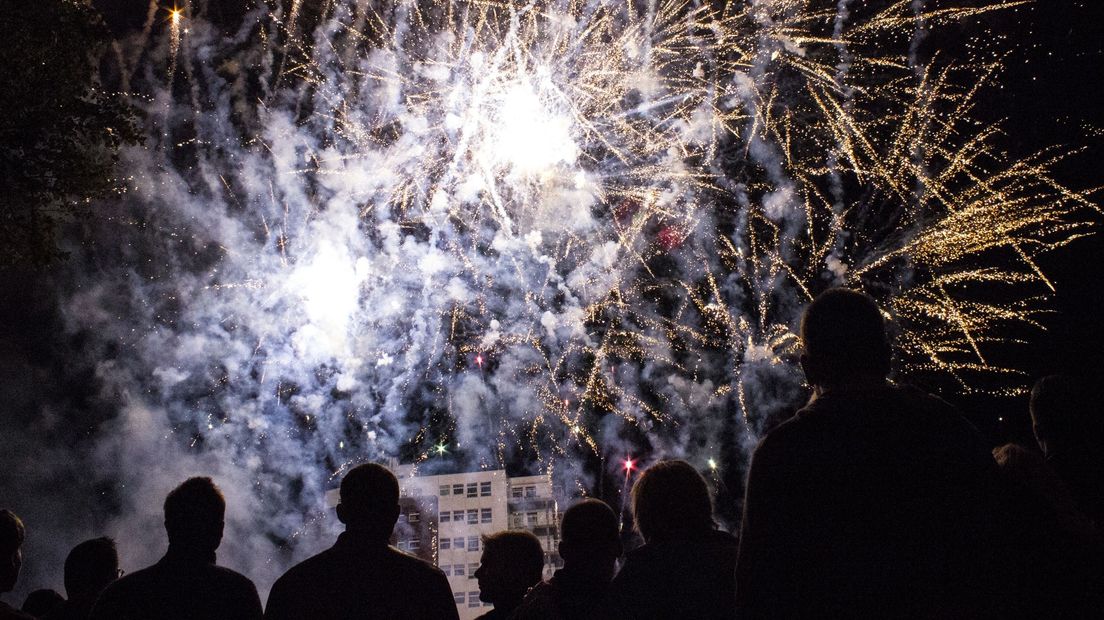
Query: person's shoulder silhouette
[(185, 583), (872, 500), (361, 576), (685, 567)]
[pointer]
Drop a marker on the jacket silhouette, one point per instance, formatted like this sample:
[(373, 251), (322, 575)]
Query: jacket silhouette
[(361, 577)]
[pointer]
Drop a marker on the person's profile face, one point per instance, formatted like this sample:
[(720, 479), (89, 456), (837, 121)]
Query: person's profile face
[(490, 577), (9, 570)]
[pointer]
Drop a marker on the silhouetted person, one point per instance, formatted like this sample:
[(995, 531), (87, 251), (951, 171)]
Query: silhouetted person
[(11, 560), (41, 602), (1059, 543), (1069, 426), (185, 583), (89, 568), (590, 543), (512, 562), (361, 576), (685, 567), (873, 500)]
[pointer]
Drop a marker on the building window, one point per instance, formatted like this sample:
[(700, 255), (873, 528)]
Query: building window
[(457, 516), (485, 515), (473, 543), (530, 518), (457, 489), (401, 544), (474, 566), (444, 490), (414, 517), (515, 492), (446, 516), (473, 599), (446, 543), (458, 570), (415, 544), (530, 491), (473, 516), (457, 543), (484, 489), (473, 489), (459, 598), (446, 569)]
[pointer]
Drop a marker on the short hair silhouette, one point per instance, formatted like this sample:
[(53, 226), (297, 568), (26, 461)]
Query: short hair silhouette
[(1061, 412), (590, 528), (369, 500), (91, 566), (512, 562), (844, 335), (41, 602), (671, 499), (12, 534), (194, 513)]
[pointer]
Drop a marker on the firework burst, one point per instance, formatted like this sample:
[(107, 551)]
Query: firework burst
[(473, 229)]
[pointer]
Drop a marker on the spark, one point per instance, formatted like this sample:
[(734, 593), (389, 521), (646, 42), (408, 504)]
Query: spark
[(627, 207)]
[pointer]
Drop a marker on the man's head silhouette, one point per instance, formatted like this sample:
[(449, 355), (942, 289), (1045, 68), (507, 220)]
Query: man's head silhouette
[(512, 562), (90, 567), (194, 516), (590, 539), (671, 500), (845, 341), (11, 557), (369, 501)]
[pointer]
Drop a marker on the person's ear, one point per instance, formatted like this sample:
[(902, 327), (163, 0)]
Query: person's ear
[(341, 514), (393, 517)]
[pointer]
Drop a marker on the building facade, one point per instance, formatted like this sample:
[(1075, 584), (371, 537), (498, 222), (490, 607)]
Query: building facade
[(444, 517)]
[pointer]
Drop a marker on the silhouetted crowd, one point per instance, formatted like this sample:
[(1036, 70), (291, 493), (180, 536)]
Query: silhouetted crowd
[(874, 500)]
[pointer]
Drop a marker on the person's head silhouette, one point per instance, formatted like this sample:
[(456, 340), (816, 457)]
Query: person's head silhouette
[(671, 500), (11, 542), (90, 567), (369, 503), (1063, 415), (590, 539), (194, 516), (845, 341), (512, 562)]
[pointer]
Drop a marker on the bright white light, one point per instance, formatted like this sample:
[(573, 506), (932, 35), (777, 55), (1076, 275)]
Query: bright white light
[(329, 288), (528, 136)]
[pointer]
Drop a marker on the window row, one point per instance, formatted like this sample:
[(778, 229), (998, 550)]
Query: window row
[(473, 515), (525, 491), (409, 545), (472, 599), (458, 543), (521, 519), (459, 570), (472, 489)]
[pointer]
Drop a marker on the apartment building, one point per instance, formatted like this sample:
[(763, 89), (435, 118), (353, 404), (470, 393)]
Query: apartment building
[(464, 507)]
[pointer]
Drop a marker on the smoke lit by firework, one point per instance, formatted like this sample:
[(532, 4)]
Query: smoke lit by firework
[(498, 230)]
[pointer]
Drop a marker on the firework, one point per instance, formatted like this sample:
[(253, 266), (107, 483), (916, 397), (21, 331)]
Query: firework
[(468, 231)]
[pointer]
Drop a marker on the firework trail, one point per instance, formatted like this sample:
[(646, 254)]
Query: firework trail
[(477, 232)]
